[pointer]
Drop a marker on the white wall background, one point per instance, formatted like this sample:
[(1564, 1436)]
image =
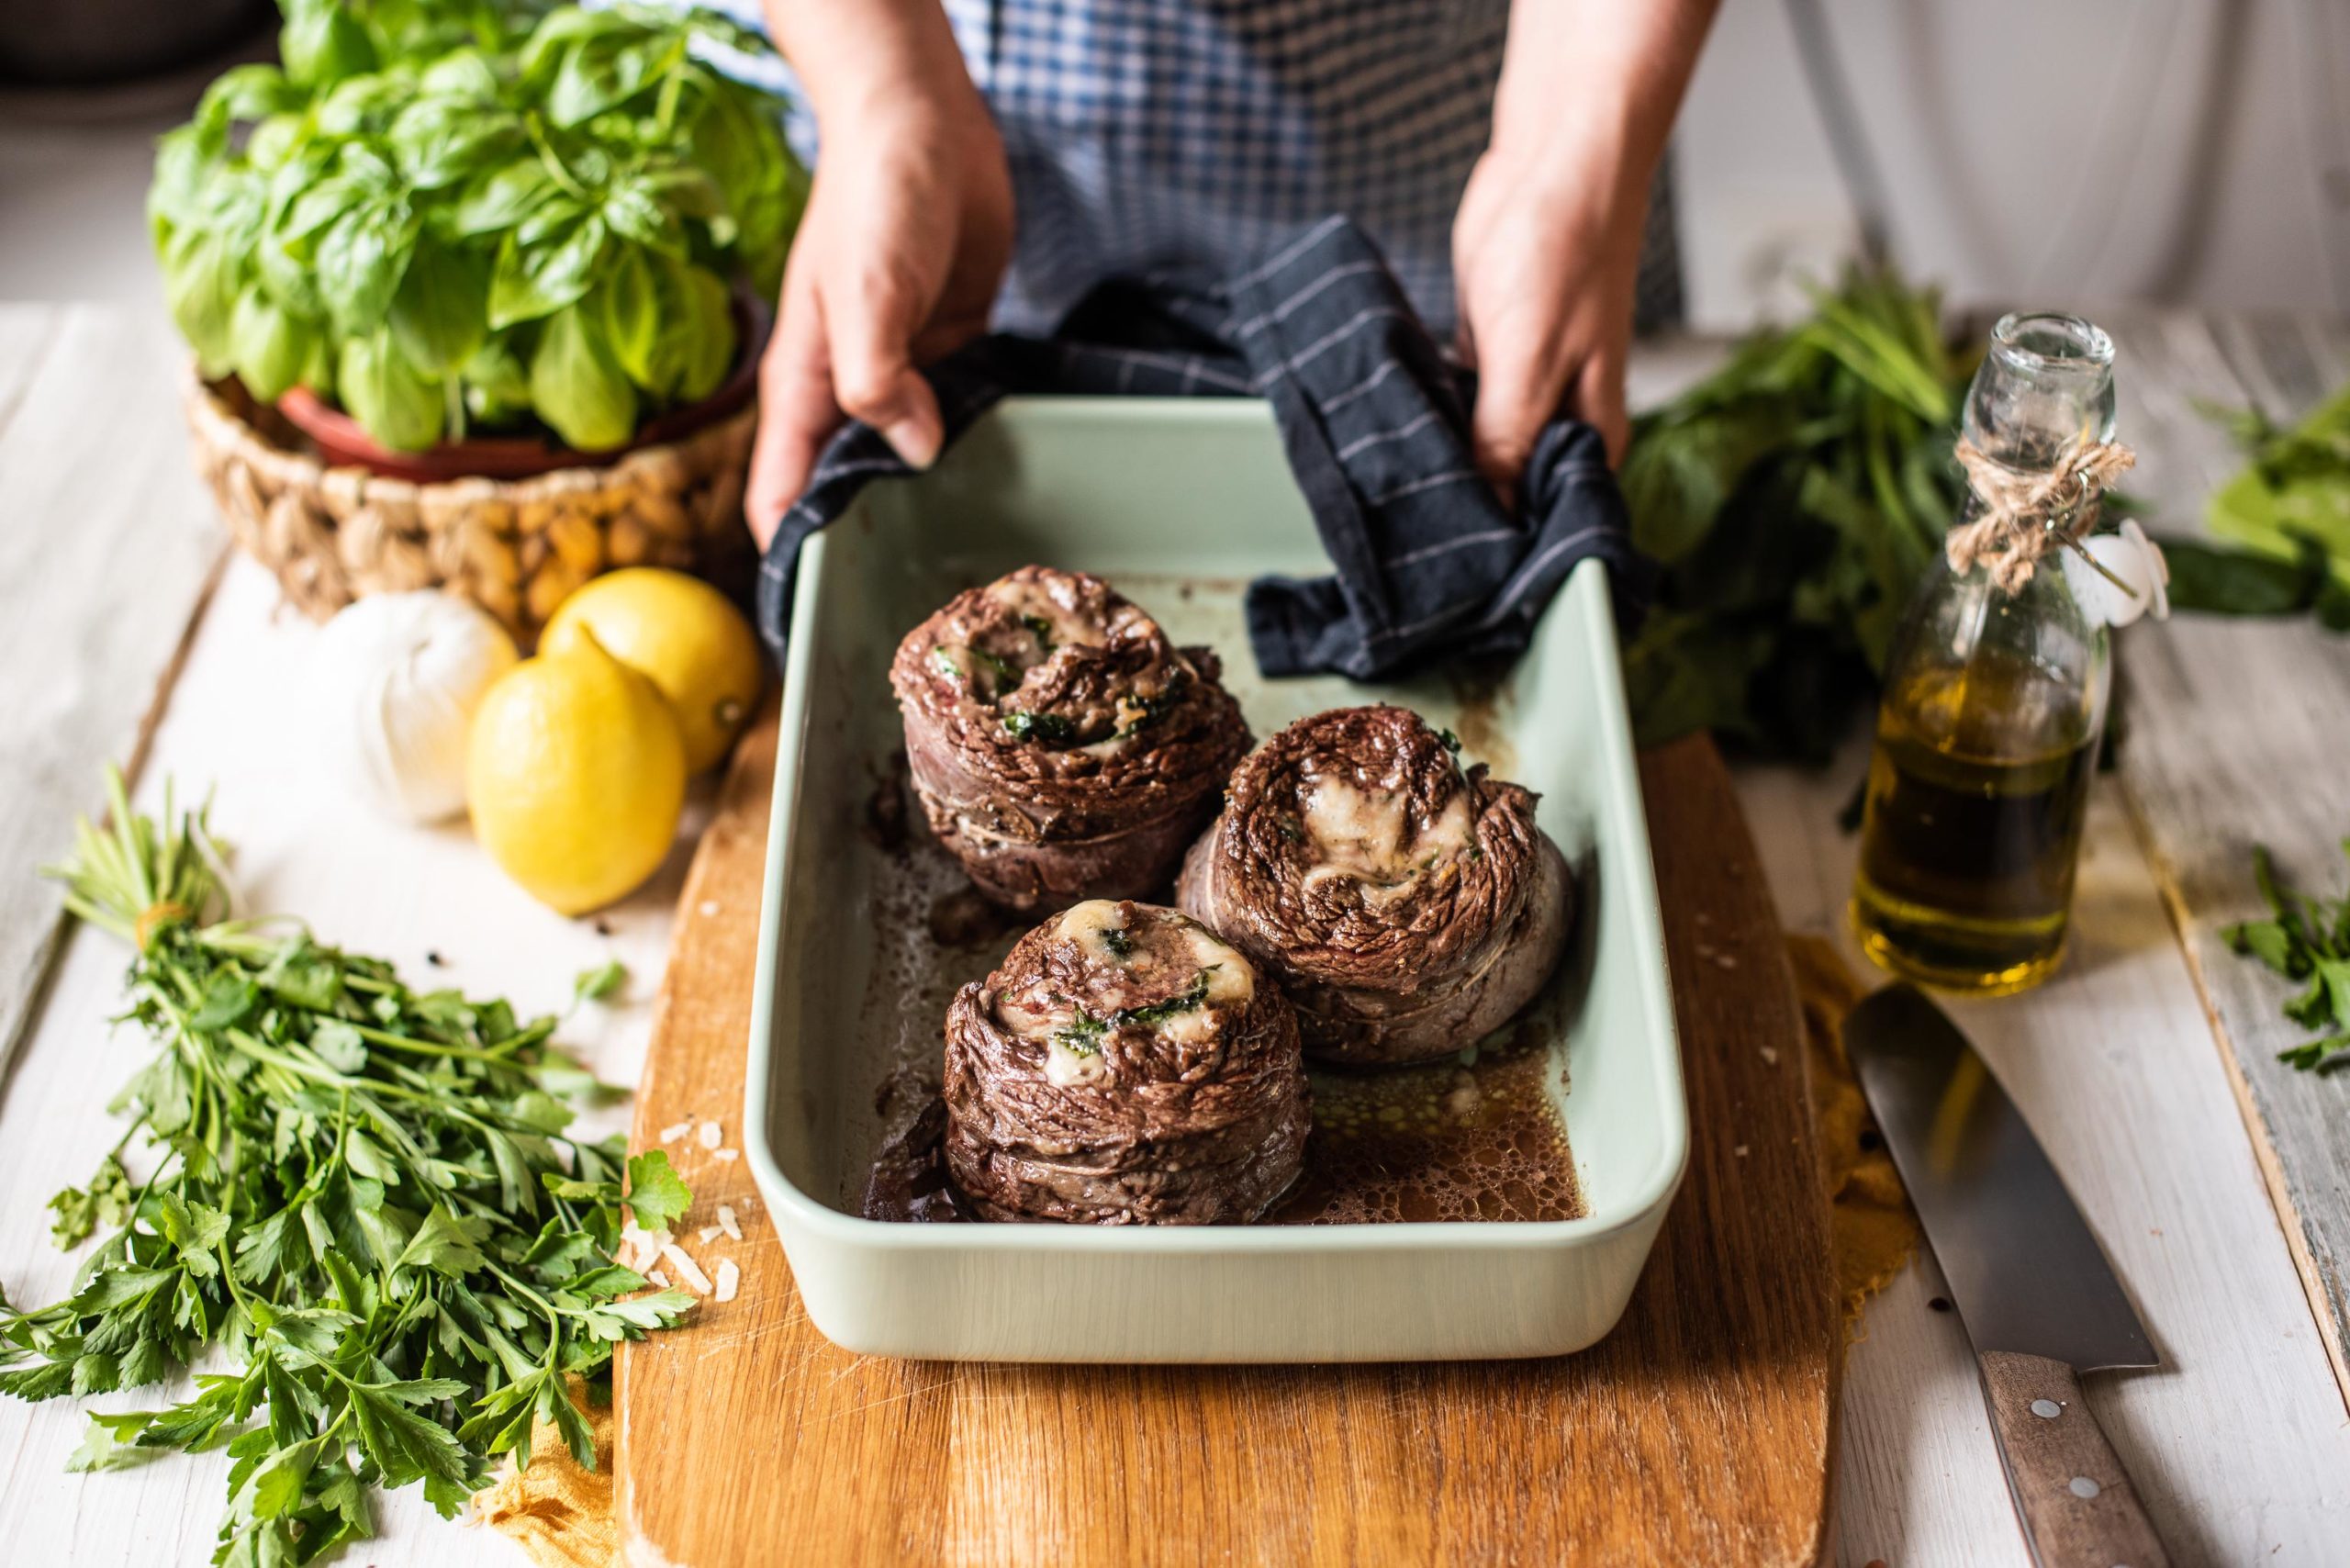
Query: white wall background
[(2189, 151)]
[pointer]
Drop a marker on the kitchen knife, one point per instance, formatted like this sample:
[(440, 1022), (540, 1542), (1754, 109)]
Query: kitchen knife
[(2039, 1299)]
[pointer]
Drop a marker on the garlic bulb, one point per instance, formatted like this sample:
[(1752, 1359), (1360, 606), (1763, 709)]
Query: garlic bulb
[(395, 680)]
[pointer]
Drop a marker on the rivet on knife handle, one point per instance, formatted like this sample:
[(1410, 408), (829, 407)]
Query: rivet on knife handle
[(2079, 1508)]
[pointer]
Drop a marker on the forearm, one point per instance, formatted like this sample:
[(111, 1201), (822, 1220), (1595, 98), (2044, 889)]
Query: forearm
[(856, 56), (1591, 87)]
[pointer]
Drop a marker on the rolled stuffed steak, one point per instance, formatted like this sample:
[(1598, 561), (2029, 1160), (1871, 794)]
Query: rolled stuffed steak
[(1407, 907), (1123, 1066), (1060, 745)]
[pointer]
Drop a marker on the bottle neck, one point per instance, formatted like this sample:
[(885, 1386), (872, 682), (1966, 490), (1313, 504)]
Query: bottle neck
[(2045, 384)]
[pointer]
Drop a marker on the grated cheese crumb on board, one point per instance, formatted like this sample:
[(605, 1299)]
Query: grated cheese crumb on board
[(675, 1131), (657, 1280), (687, 1270), (727, 1221), (710, 1135), (729, 1153), (729, 1276), (709, 1233)]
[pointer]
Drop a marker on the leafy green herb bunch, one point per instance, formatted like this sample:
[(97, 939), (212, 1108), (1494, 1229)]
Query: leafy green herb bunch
[(460, 215), (368, 1231), (1795, 499)]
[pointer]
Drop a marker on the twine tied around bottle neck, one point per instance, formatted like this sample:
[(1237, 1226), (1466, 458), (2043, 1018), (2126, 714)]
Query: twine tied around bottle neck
[(2026, 515)]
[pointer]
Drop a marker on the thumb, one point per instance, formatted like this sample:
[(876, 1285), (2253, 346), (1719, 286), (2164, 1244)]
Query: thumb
[(1599, 399), (1516, 392), (874, 377)]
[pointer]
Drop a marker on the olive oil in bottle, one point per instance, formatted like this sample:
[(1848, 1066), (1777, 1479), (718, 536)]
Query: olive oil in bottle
[(1973, 829), (1995, 684)]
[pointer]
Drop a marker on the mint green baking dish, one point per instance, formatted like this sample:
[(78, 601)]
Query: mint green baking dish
[(1180, 502)]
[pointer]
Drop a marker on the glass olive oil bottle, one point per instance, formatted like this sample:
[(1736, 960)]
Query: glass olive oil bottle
[(1994, 706)]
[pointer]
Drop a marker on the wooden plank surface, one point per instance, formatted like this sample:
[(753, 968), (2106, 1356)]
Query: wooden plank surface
[(1697, 1432), (2239, 733), (106, 546)]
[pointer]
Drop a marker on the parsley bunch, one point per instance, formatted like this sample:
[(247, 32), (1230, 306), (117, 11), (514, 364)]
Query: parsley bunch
[(366, 1202), (2305, 939)]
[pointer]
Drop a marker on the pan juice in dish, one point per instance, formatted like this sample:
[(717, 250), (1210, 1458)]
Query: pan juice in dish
[(1457, 1141), (1472, 1136)]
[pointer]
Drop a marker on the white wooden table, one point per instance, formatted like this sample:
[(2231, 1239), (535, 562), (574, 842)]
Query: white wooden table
[(2242, 1442)]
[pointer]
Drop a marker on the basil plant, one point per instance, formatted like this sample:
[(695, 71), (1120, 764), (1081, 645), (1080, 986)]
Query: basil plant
[(455, 216)]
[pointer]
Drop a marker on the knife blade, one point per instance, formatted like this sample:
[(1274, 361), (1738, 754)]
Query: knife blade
[(2039, 1299)]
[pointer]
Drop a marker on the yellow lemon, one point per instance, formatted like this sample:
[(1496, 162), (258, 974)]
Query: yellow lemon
[(574, 774), (683, 636)]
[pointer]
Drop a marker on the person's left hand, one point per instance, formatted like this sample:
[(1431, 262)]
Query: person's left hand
[(1546, 252)]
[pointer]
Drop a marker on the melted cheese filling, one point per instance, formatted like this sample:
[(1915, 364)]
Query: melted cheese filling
[(1089, 924), (1366, 835), (1027, 599)]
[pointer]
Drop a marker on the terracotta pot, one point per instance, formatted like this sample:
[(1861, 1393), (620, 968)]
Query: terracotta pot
[(343, 443)]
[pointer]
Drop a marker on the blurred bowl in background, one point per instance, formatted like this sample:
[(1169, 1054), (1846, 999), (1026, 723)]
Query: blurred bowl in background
[(97, 43)]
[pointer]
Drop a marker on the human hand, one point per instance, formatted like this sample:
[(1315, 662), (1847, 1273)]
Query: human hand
[(897, 261), (1546, 254)]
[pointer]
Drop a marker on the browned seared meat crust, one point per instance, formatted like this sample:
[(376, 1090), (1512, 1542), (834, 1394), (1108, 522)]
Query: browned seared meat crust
[(1061, 746), (1123, 1066), (1407, 907)]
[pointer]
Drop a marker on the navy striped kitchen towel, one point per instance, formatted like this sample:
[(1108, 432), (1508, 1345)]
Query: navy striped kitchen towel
[(1428, 563)]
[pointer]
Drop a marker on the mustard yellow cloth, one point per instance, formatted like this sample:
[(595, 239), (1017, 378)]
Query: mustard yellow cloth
[(1869, 1221), (563, 1515)]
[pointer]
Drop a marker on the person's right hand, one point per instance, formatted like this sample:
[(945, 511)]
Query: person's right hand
[(897, 261)]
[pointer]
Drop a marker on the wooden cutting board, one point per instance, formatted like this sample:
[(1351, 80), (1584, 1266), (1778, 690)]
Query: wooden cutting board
[(1700, 1431)]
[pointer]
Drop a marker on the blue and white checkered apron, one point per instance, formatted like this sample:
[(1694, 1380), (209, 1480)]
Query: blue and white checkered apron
[(1153, 137)]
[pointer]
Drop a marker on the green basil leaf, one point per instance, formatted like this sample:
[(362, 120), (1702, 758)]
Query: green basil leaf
[(503, 198), (706, 346), (201, 277), (321, 42), (275, 140), (497, 379), (634, 212), (694, 347), (398, 404), (312, 207), (247, 92), (536, 277), (268, 344), (578, 387), (764, 187), (184, 162), (461, 73), (562, 31), (441, 314), (439, 141), (606, 72), (630, 299), (362, 257), (364, 106)]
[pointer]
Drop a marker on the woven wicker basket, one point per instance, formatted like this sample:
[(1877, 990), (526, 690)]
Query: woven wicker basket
[(515, 547)]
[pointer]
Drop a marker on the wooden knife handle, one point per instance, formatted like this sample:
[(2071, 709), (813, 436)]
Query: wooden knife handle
[(2079, 1508)]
